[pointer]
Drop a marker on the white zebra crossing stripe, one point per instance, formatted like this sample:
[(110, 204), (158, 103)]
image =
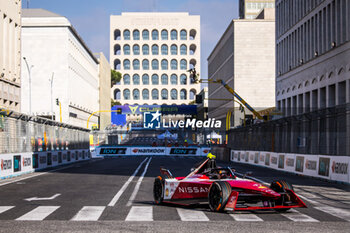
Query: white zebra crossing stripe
[(39, 213), (339, 213), (89, 213), (296, 216), (191, 215), (5, 208), (140, 213), (246, 217)]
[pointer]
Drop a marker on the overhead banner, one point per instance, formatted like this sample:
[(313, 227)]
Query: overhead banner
[(163, 109)]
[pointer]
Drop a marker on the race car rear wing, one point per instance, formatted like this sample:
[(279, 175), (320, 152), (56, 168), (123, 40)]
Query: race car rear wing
[(166, 172)]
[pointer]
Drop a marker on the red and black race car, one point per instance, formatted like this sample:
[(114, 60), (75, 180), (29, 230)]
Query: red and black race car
[(223, 190)]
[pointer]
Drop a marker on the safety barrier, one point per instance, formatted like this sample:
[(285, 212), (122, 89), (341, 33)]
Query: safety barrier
[(104, 151), (322, 166), (16, 164)]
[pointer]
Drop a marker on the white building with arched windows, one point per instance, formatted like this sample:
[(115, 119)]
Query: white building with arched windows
[(153, 51)]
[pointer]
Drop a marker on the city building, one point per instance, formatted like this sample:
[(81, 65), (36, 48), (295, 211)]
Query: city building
[(153, 51), (10, 54), (244, 58), (250, 9), (61, 68), (104, 73), (313, 71)]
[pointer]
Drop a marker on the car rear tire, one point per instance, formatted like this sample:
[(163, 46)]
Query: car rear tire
[(218, 195), (158, 189), (280, 186)]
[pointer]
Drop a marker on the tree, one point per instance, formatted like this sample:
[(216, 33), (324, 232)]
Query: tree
[(115, 102), (115, 77)]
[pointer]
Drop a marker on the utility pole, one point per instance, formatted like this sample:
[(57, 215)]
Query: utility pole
[(51, 82), (28, 4), (30, 85)]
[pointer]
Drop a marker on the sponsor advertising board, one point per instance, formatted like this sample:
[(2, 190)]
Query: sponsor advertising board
[(289, 162), (339, 168)]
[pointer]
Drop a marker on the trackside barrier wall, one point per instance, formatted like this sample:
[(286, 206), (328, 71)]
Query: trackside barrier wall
[(154, 151), (322, 166), (16, 164)]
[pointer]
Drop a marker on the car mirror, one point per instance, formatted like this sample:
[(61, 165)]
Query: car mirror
[(248, 174), (192, 169)]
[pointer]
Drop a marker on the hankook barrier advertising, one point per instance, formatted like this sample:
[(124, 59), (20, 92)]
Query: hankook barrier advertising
[(16, 164), (322, 166), (110, 151)]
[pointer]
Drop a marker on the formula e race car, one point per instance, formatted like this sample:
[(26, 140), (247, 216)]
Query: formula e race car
[(223, 190)]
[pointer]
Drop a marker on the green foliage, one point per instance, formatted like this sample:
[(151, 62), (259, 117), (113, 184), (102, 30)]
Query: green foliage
[(115, 77), (115, 102)]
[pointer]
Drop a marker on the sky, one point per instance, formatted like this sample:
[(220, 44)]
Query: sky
[(91, 18)]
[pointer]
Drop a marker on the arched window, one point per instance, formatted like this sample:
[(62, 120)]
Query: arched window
[(173, 79), (164, 34), (126, 49), (126, 94), (126, 64), (145, 49), (193, 63), (117, 49), (117, 65), (192, 49), (164, 79), (117, 94), (136, 34), (192, 94), (164, 64), (117, 34), (155, 35), (136, 64), (145, 64), (173, 49), (183, 35), (164, 94), (174, 64), (183, 79), (173, 35), (155, 49), (145, 79), (193, 34), (183, 64), (145, 94), (126, 35), (155, 79), (136, 79), (183, 94), (183, 50), (155, 94), (145, 34), (126, 79), (164, 49), (136, 49), (136, 94), (173, 94), (155, 64)]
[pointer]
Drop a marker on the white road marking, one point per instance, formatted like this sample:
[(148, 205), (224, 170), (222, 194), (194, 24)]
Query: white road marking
[(246, 217), (140, 213), (43, 198), (137, 186), (191, 215), (5, 208), (296, 216), (39, 213), (89, 213), (339, 213), (120, 192)]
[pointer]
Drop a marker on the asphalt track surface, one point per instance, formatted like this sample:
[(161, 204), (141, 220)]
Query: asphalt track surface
[(115, 195)]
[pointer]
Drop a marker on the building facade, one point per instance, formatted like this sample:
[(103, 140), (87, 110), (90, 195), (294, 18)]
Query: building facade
[(244, 58), (153, 51), (250, 9), (54, 51), (10, 54), (104, 73), (313, 68)]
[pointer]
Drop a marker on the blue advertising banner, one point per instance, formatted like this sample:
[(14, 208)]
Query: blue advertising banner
[(163, 109)]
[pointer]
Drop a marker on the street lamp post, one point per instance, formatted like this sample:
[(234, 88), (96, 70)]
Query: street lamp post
[(51, 82), (30, 85)]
